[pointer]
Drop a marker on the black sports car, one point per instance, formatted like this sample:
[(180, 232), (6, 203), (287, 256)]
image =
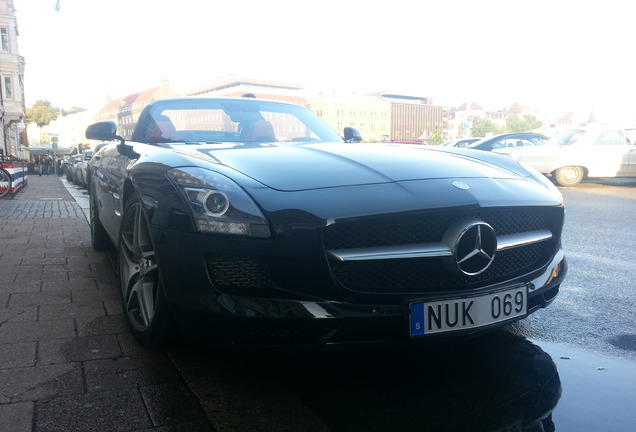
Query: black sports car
[(252, 222)]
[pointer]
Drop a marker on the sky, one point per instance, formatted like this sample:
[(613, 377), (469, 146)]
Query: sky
[(556, 55)]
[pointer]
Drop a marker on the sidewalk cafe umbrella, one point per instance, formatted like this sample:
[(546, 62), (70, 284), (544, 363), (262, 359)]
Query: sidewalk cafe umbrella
[(48, 149)]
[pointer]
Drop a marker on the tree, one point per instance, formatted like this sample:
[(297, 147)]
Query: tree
[(42, 113), (522, 124), (73, 110), (482, 127), (436, 137)]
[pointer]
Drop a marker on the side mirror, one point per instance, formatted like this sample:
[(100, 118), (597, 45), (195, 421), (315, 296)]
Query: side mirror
[(352, 135), (104, 131), (107, 131)]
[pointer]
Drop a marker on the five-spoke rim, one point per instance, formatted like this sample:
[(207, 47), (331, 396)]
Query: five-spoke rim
[(138, 270)]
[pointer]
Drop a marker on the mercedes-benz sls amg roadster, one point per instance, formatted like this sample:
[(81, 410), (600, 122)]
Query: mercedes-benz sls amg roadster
[(252, 222)]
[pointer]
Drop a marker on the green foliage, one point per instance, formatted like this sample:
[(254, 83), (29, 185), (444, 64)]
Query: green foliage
[(42, 113), (482, 127), (522, 124), (436, 137), (73, 110)]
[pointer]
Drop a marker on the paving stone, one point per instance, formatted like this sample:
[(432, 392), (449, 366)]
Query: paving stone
[(82, 296), (72, 310), (39, 274), (29, 331), (111, 374), (78, 349), (118, 410), (96, 326), (7, 277), (13, 287), (17, 355), (30, 261), (8, 315), (73, 285), (40, 382), (17, 417), (39, 298)]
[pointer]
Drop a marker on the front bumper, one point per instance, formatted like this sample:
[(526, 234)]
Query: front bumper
[(258, 321)]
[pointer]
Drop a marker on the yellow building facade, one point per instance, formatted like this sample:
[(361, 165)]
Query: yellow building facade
[(369, 114)]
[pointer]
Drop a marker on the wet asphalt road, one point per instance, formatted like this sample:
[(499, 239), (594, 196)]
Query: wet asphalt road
[(596, 307)]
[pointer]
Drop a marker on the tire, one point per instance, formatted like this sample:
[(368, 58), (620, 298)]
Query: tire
[(99, 237), (569, 175), (144, 304)]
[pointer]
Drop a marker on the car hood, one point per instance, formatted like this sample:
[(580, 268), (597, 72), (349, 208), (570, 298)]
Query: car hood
[(304, 167)]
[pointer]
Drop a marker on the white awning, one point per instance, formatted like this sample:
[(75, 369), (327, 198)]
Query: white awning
[(47, 149)]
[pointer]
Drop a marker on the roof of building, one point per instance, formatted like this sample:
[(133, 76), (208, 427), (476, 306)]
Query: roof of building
[(238, 81)]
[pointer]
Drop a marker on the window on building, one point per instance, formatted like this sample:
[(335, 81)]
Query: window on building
[(4, 35), (8, 88)]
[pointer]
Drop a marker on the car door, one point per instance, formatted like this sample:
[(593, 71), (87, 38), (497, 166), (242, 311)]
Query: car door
[(631, 152), (108, 175), (608, 155)]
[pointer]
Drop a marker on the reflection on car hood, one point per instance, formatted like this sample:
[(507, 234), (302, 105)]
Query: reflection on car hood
[(302, 167)]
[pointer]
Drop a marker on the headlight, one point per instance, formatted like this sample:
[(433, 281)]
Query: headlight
[(218, 204)]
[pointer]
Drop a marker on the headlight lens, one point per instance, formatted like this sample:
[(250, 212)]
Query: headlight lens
[(218, 204)]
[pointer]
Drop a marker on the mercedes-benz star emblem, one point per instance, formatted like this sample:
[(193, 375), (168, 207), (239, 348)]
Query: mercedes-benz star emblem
[(475, 248), (461, 185)]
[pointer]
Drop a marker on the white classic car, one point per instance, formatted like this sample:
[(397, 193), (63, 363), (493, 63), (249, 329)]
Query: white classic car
[(584, 152)]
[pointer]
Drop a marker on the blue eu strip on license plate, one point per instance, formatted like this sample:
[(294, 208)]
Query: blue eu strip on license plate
[(417, 319)]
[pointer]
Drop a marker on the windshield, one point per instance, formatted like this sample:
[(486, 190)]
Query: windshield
[(230, 120), (566, 137)]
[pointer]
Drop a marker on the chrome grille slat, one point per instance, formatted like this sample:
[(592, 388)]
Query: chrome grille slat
[(432, 249)]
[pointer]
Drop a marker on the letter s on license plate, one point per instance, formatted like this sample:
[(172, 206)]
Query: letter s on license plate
[(469, 312)]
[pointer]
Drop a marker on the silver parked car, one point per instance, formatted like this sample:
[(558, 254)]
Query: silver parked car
[(81, 168), (585, 152), (71, 167)]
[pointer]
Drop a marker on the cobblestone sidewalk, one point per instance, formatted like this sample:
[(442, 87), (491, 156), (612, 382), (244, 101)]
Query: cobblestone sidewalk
[(67, 360)]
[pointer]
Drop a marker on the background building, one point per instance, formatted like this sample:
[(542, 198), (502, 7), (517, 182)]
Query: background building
[(415, 118), (11, 83), (369, 114), (125, 110), (238, 86)]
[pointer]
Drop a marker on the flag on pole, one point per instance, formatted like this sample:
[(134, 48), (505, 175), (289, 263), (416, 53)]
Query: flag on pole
[(57, 5)]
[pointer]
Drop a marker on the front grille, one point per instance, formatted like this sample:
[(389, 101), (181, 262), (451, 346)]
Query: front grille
[(425, 275)]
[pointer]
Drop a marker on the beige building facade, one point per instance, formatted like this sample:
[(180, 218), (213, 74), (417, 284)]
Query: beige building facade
[(369, 114), (12, 109)]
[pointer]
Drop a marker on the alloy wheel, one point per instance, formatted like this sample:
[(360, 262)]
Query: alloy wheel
[(138, 270)]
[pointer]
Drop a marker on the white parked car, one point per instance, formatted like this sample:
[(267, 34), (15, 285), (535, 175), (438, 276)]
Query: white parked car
[(585, 152)]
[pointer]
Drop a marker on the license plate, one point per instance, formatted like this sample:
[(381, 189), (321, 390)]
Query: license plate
[(469, 312)]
